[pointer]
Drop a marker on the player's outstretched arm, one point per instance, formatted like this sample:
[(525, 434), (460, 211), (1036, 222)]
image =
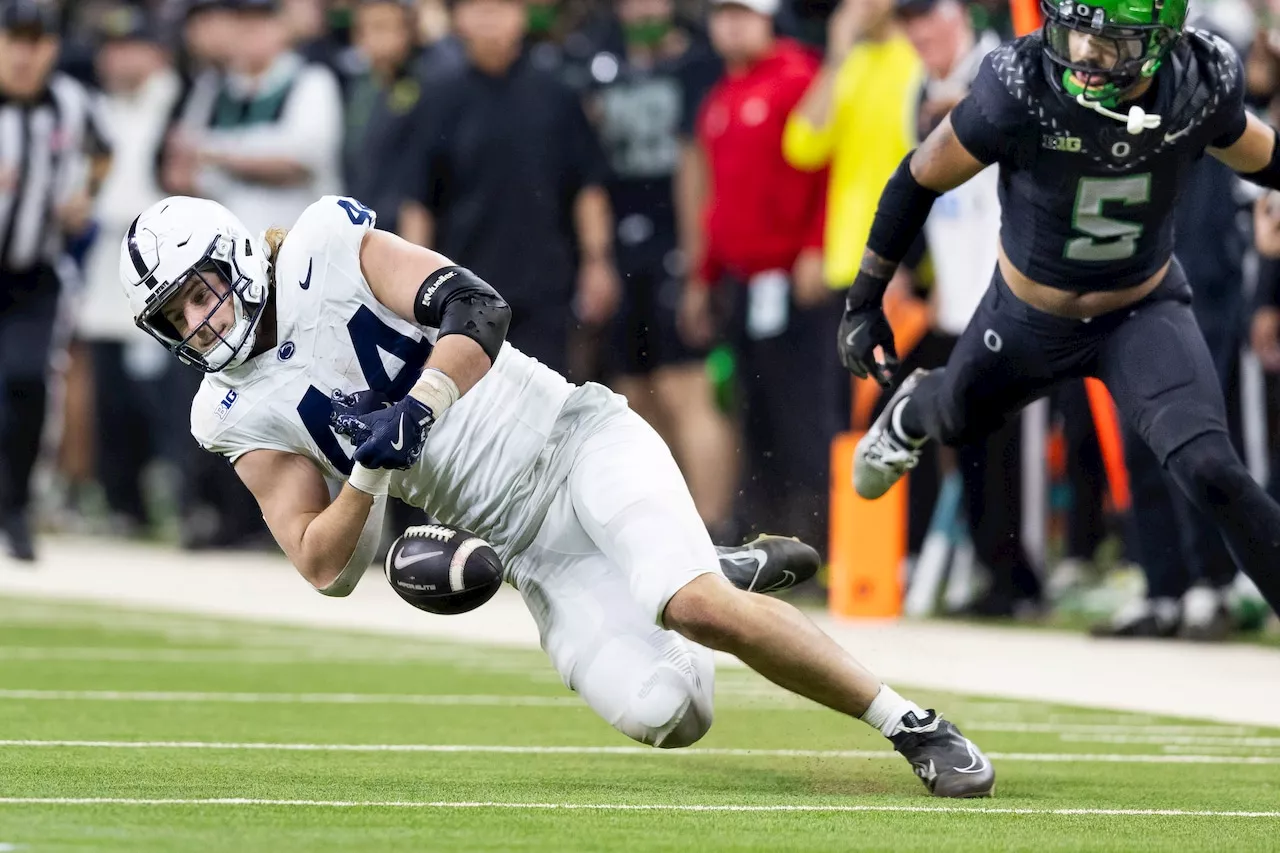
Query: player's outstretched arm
[(330, 544), (940, 163), (1254, 154)]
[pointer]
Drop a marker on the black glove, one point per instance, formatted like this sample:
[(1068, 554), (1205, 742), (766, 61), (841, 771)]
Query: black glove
[(863, 328), (387, 438)]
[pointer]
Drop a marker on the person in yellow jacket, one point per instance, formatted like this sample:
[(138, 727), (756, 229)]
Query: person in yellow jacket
[(858, 117)]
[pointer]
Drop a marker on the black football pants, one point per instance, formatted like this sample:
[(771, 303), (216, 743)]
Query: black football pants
[(1154, 361)]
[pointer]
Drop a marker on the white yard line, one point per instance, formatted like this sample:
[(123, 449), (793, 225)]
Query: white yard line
[(1053, 728), (1032, 757), (1173, 740), (109, 654), (645, 807), (291, 698), (125, 654), (1212, 750), (1208, 735)]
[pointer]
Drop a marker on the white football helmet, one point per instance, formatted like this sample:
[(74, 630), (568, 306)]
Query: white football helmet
[(180, 237)]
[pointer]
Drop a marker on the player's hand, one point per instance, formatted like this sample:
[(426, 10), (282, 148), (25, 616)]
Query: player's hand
[(1264, 335), (861, 331), (388, 438), (357, 404)]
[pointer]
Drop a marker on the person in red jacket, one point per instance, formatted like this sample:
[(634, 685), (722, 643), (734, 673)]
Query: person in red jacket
[(761, 237)]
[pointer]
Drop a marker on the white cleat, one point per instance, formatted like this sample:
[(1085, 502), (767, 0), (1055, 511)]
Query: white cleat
[(882, 456)]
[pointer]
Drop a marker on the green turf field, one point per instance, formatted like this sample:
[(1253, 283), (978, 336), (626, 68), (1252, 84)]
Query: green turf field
[(130, 731)]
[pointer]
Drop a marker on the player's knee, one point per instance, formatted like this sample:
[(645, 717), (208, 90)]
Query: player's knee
[(667, 711), (1210, 471), (708, 611)]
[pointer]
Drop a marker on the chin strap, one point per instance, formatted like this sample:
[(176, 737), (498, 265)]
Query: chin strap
[(1135, 122)]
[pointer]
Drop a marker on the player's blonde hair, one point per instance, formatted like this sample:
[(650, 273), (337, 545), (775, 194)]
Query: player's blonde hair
[(275, 238)]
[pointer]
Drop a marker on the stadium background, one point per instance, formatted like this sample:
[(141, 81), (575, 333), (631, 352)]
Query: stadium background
[(118, 462), (168, 682)]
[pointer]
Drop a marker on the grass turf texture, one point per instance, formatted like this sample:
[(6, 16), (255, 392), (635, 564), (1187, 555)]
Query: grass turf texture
[(216, 702)]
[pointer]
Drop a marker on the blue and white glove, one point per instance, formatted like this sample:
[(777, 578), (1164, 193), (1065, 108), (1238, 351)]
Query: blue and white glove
[(357, 404), (388, 438)]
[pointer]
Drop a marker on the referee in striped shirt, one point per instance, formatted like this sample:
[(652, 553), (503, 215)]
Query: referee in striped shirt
[(50, 156)]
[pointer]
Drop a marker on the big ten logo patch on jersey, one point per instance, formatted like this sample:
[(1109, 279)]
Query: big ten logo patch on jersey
[(224, 408), (1061, 142)]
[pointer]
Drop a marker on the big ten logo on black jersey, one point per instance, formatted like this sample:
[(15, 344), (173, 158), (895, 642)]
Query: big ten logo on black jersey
[(639, 125)]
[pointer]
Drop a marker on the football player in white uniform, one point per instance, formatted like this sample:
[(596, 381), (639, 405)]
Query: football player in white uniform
[(336, 350)]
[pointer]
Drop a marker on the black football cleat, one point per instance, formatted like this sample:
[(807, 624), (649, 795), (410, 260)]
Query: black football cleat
[(768, 563), (949, 764)]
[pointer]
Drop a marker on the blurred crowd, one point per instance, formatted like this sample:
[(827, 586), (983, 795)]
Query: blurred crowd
[(672, 196)]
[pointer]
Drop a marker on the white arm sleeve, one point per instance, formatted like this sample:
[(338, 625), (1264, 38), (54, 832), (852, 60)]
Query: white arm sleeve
[(366, 547)]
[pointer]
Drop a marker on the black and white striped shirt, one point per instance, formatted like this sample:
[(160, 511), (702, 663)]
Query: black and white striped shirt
[(45, 149)]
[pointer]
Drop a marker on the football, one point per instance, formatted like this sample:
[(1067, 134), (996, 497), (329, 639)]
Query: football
[(443, 569)]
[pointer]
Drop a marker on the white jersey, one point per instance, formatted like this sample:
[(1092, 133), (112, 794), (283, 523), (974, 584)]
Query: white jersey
[(493, 460)]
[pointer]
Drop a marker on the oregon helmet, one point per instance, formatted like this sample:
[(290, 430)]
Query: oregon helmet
[(1105, 47)]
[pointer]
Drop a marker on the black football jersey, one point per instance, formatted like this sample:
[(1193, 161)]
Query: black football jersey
[(1086, 205)]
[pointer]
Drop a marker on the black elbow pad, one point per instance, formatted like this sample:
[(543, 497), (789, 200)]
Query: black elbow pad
[(458, 302)]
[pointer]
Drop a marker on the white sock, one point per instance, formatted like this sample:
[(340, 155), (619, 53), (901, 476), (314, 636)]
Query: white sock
[(887, 709)]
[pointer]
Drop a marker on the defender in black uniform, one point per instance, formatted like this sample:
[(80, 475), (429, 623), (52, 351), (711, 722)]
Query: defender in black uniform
[(1095, 122)]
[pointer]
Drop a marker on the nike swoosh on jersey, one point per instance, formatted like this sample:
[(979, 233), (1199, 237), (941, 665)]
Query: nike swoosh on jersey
[(403, 560), (1169, 137), (399, 442), (306, 282)]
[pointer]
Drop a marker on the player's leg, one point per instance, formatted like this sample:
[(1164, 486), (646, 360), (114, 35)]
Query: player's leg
[(1008, 355), (652, 685), (1159, 370), (628, 496)]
